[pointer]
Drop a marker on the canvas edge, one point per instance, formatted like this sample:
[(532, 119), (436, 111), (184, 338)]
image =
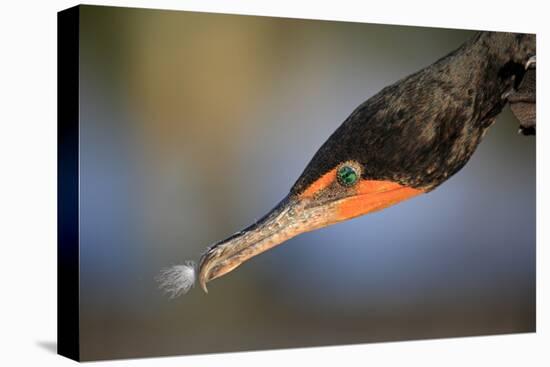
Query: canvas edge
[(68, 287)]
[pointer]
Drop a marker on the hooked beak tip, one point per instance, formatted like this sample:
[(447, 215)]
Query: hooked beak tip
[(204, 274), (224, 256), (203, 286)]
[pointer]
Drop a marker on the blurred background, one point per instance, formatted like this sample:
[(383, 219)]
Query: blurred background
[(193, 125)]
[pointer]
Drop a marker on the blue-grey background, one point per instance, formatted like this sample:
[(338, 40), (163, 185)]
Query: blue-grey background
[(193, 125)]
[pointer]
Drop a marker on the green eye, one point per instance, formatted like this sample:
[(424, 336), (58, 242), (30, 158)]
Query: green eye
[(347, 176)]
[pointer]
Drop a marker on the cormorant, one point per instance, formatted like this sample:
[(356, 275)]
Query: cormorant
[(404, 141)]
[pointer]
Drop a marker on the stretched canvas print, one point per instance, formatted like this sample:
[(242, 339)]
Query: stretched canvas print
[(232, 183)]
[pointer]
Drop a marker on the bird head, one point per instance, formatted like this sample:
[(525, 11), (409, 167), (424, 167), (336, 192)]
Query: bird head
[(338, 184), (404, 141)]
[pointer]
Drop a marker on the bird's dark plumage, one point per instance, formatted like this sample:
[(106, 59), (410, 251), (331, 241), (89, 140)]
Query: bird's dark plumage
[(523, 103), (404, 141), (424, 128)]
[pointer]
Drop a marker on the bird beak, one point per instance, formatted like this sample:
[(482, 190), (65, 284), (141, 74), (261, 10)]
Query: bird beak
[(291, 217), (295, 215), (283, 222)]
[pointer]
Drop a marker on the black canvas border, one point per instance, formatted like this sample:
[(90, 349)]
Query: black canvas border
[(68, 330)]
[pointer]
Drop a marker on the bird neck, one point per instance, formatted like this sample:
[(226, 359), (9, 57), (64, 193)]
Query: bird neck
[(471, 85), (422, 129), (488, 67)]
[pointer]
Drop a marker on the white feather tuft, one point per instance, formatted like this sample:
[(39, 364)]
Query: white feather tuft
[(178, 279)]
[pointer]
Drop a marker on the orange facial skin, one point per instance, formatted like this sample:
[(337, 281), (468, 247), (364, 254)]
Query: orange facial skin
[(365, 197), (321, 184), (375, 195)]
